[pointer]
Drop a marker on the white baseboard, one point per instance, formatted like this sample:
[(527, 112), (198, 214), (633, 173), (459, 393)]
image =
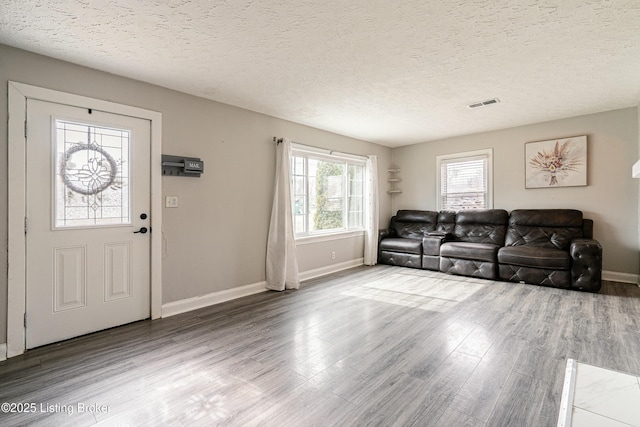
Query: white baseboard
[(3, 352), (188, 304), (615, 276), (333, 268)]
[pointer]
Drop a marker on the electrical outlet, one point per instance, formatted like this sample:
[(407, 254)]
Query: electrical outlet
[(333, 255), (171, 202)]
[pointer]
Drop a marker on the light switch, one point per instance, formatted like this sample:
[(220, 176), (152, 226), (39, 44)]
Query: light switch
[(171, 202)]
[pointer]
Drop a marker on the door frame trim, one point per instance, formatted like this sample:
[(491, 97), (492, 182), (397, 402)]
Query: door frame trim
[(18, 93)]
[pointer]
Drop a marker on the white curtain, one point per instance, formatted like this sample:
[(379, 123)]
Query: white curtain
[(372, 211), (282, 264)]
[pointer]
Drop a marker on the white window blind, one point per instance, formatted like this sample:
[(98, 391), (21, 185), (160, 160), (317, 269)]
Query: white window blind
[(465, 181)]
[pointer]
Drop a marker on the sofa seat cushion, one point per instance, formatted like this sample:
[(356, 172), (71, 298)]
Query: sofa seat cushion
[(408, 246), (536, 257), (471, 251)]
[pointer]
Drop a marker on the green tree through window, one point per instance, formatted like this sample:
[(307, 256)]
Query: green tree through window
[(327, 193), (329, 210)]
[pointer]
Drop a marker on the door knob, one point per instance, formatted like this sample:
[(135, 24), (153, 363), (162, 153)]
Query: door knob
[(142, 230)]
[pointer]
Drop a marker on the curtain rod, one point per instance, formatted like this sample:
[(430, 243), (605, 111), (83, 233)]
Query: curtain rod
[(279, 140)]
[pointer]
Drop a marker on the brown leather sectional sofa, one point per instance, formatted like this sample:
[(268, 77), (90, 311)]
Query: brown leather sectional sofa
[(549, 247)]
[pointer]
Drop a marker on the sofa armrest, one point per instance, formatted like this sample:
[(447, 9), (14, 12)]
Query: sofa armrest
[(442, 234), (586, 265), (432, 242), (383, 234)]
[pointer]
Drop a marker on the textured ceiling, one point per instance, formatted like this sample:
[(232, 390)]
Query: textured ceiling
[(390, 72)]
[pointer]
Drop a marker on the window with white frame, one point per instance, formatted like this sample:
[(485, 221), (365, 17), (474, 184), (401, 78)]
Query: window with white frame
[(327, 192), (465, 180)]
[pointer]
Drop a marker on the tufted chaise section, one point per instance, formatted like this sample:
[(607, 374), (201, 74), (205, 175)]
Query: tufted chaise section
[(551, 247)]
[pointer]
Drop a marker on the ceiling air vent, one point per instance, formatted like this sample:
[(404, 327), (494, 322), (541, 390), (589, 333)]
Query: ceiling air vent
[(483, 103)]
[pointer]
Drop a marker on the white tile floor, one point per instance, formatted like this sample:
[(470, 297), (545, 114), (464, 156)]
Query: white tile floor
[(598, 397)]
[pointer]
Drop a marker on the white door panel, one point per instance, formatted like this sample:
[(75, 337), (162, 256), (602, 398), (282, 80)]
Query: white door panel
[(88, 191)]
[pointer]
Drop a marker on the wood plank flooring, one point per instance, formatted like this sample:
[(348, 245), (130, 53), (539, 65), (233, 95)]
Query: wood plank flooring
[(381, 345)]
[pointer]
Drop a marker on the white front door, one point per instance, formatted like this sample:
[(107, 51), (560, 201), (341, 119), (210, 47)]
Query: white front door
[(87, 221)]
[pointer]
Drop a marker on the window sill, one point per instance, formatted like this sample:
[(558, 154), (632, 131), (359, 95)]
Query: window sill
[(316, 238)]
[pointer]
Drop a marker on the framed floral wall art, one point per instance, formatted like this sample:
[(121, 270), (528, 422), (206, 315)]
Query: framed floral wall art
[(556, 163)]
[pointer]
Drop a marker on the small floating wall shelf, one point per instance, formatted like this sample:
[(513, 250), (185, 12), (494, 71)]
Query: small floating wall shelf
[(393, 179)]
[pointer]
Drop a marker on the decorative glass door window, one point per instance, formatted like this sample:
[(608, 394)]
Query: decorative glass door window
[(91, 175)]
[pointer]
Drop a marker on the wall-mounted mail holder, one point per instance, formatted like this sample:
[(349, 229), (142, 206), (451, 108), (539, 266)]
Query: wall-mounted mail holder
[(182, 166)]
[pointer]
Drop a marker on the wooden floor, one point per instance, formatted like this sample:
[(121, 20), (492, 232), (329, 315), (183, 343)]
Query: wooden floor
[(380, 345)]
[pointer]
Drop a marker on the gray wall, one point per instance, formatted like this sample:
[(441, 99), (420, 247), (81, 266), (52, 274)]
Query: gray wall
[(216, 239), (610, 198)]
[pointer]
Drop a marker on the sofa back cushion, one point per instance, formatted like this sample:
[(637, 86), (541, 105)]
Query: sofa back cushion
[(481, 226), (446, 221), (545, 228), (413, 224)]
